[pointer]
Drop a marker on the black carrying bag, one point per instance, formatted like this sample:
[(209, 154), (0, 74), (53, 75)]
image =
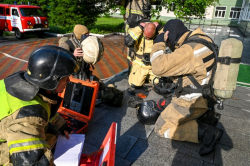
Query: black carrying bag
[(134, 20)]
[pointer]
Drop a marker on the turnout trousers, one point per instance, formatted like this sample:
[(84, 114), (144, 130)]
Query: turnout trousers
[(178, 120)]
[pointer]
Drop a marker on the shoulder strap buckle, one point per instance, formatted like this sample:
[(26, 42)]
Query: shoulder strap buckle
[(224, 60)]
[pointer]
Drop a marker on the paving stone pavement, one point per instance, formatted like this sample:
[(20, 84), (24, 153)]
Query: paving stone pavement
[(138, 145)]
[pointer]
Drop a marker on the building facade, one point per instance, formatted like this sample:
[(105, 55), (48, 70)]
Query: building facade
[(244, 18)]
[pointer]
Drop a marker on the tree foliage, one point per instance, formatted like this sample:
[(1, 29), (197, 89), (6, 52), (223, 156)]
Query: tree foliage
[(70, 12), (181, 8), (188, 8)]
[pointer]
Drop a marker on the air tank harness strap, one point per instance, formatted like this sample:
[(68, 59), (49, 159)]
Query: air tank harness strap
[(187, 90), (204, 89), (228, 60)]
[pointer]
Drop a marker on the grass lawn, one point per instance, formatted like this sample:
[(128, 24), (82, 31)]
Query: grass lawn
[(244, 75), (103, 26)]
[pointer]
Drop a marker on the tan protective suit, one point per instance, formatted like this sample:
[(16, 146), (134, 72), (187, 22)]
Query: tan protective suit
[(135, 9), (140, 71), (22, 130), (178, 120)]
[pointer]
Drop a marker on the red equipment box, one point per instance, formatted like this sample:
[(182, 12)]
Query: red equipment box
[(78, 104), (105, 156)]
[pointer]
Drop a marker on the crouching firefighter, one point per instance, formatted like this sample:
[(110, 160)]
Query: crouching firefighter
[(140, 39), (190, 116), (29, 122)]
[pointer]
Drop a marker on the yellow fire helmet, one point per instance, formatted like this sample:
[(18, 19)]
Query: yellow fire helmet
[(92, 49)]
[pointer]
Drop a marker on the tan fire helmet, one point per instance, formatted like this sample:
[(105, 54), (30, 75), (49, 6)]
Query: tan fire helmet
[(80, 30), (92, 49)]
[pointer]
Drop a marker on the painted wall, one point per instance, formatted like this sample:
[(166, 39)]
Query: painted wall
[(228, 4)]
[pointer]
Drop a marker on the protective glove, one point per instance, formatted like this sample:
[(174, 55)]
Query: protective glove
[(159, 27), (142, 25), (159, 38)]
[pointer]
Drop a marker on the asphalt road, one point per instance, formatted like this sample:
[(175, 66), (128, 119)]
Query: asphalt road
[(15, 53), (9, 40)]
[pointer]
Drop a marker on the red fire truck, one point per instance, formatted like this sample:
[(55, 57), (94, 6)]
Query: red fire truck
[(22, 19)]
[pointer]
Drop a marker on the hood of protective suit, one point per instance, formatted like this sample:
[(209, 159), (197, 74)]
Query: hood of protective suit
[(176, 29)]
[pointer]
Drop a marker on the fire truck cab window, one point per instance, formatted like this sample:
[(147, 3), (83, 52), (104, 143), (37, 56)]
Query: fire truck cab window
[(7, 11), (14, 12), (1, 10)]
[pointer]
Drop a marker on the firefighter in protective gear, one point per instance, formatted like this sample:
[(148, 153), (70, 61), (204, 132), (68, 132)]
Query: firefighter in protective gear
[(73, 44), (136, 11), (140, 39), (179, 120), (29, 122)]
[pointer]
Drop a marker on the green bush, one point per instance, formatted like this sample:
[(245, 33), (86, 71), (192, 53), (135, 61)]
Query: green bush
[(61, 29), (5, 33), (103, 26)]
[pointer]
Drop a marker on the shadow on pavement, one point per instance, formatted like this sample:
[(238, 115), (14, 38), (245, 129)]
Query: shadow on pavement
[(184, 151)]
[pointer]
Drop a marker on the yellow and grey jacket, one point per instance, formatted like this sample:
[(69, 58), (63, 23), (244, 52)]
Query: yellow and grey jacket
[(74, 41), (189, 59), (135, 39), (135, 8), (28, 128)]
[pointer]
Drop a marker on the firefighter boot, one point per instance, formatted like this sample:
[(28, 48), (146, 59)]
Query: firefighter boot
[(210, 117), (209, 136)]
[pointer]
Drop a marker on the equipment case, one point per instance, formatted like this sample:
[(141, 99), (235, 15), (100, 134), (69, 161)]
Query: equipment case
[(105, 156), (78, 104)]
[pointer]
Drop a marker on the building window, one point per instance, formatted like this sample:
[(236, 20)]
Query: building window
[(220, 12), (235, 12)]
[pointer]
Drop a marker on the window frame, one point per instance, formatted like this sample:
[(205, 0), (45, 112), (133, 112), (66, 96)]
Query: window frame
[(12, 10), (6, 9), (234, 11), (3, 11), (220, 10)]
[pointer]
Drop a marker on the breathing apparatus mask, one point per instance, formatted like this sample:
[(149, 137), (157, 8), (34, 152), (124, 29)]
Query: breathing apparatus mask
[(165, 86), (146, 58), (83, 37), (146, 9)]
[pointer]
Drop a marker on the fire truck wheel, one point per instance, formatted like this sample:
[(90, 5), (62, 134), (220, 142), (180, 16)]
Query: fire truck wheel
[(18, 34), (40, 34), (1, 33)]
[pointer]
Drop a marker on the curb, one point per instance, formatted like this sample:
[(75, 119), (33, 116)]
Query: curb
[(92, 34), (109, 79)]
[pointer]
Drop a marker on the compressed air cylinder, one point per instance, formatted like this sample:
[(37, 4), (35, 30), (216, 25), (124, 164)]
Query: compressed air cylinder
[(227, 69)]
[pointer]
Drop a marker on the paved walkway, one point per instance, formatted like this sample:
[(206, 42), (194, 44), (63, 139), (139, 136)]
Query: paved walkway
[(138, 145), (113, 62)]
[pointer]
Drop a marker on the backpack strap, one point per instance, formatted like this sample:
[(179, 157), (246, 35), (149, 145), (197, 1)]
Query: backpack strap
[(71, 45), (199, 88)]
